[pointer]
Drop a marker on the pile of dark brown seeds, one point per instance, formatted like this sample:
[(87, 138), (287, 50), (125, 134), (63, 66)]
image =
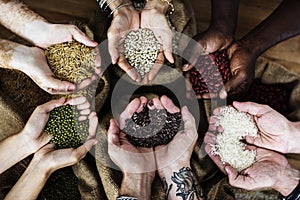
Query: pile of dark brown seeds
[(151, 128)]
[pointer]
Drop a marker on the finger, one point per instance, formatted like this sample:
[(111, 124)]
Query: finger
[(47, 107), (97, 57), (83, 106), (79, 36), (210, 138), (190, 93), (159, 62), (82, 118), (113, 133), (143, 103), (191, 54), (167, 45), (55, 86), (252, 108), (188, 119), (76, 101), (169, 105), (215, 158), (113, 46), (257, 141), (81, 151), (157, 103), (235, 179), (130, 71), (93, 124), (168, 54), (85, 83), (85, 112), (146, 79), (131, 108), (232, 85)]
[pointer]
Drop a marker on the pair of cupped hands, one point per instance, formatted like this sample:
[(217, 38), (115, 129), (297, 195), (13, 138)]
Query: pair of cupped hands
[(276, 136), (127, 19)]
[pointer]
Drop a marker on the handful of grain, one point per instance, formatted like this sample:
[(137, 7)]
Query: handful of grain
[(151, 128), (141, 49), (71, 61), (236, 125), (64, 128)]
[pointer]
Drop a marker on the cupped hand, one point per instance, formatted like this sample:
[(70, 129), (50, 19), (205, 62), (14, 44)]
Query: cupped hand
[(270, 171), (242, 66), (56, 159), (58, 33), (275, 131), (176, 154), (127, 157), (34, 128), (125, 19), (210, 41)]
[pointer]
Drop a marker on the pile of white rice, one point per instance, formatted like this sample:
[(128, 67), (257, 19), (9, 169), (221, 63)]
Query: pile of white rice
[(236, 126)]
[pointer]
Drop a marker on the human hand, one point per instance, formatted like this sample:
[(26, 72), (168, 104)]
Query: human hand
[(210, 41), (271, 170), (44, 34), (137, 164), (33, 131), (125, 19), (176, 154), (275, 131), (242, 66), (173, 159), (32, 61), (126, 156)]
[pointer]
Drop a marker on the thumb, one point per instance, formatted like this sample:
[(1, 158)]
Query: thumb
[(257, 141), (56, 86), (232, 174), (232, 85)]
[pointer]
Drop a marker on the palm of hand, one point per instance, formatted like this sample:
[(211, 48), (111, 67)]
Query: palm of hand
[(273, 130), (265, 172)]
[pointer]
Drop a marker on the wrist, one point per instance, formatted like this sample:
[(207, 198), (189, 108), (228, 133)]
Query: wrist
[(169, 170), (160, 6), (288, 181), (136, 185), (26, 143), (37, 32)]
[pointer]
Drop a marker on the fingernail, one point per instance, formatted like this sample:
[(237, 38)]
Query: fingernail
[(185, 108), (186, 66), (95, 142), (227, 170), (223, 94)]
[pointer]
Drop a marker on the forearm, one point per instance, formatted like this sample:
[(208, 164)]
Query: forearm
[(181, 183), (13, 55), (14, 149), (136, 185), (294, 138), (31, 182), (224, 16), (17, 17), (282, 24)]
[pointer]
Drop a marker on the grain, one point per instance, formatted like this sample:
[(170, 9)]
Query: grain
[(141, 49), (151, 128), (229, 146), (210, 73)]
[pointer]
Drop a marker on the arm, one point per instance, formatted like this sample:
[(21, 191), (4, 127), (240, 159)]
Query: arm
[(279, 26), (136, 185), (17, 17), (282, 24), (173, 159), (45, 162), (137, 164)]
